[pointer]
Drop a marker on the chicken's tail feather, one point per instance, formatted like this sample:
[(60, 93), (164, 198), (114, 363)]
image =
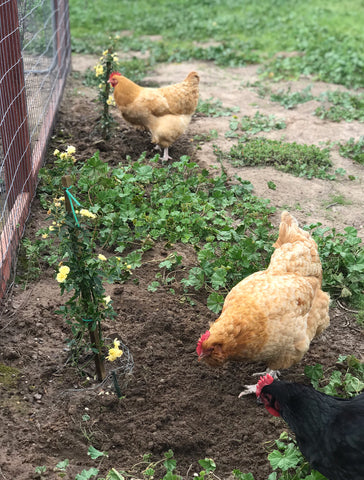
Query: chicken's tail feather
[(296, 251)]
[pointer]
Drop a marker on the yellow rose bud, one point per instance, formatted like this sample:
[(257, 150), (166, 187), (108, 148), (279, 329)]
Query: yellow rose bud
[(71, 150), (107, 299), (64, 270)]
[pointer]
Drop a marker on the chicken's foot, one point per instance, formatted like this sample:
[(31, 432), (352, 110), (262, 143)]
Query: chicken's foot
[(249, 389), (274, 373)]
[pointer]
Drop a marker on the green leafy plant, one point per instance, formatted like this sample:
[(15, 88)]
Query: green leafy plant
[(29, 263), (286, 461), (252, 125), (212, 107), (328, 57), (342, 258), (206, 137), (354, 150), (290, 99), (137, 204), (345, 382), (341, 106)]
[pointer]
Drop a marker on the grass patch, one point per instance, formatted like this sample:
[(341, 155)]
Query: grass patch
[(8, 376), (241, 34), (300, 160)]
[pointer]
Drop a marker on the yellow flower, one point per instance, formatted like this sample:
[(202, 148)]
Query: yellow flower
[(62, 273), (61, 278), (99, 70), (114, 352), (110, 100), (71, 150), (102, 257), (64, 270), (56, 152), (45, 235), (118, 259), (63, 155), (128, 267), (86, 213), (107, 299), (105, 52), (51, 228)]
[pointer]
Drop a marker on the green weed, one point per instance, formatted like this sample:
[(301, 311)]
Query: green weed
[(330, 58), (353, 149), (342, 258), (342, 106), (252, 125), (347, 381), (212, 107), (300, 160), (290, 99)]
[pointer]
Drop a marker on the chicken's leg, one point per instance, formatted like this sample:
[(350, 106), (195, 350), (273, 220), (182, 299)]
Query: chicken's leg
[(251, 388), (165, 155)]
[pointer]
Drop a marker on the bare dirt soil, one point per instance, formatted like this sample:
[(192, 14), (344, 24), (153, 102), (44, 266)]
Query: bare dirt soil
[(171, 401)]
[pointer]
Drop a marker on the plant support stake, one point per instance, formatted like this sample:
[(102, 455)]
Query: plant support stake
[(94, 331)]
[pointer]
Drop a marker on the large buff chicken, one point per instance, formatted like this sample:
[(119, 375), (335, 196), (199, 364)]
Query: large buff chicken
[(271, 316), (165, 112)]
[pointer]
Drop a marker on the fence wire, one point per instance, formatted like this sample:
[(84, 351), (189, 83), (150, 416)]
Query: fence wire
[(34, 63)]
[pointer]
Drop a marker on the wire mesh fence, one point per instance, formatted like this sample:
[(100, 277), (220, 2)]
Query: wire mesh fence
[(35, 58)]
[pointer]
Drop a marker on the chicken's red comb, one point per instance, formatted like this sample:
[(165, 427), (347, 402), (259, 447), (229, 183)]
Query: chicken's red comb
[(114, 73), (266, 380), (203, 337)]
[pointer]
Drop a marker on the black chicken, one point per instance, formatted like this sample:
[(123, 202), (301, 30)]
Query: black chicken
[(329, 430)]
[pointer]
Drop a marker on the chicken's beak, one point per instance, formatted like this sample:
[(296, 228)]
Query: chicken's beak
[(203, 355)]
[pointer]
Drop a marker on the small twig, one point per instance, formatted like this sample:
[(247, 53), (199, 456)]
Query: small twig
[(332, 205), (188, 471), (345, 308)]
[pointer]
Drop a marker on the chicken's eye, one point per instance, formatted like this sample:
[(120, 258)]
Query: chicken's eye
[(266, 398)]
